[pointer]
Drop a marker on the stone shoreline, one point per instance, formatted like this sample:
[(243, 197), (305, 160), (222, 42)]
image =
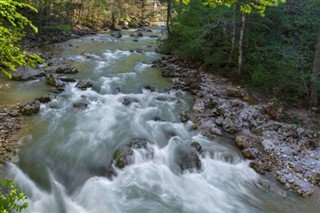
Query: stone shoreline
[(289, 153)]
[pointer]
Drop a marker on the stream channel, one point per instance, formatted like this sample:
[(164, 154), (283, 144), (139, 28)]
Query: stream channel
[(66, 159)]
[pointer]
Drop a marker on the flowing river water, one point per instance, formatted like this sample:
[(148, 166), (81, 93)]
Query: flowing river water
[(65, 162)]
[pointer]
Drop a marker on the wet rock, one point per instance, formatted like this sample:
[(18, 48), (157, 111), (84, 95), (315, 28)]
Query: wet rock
[(153, 36), (257, 167), (136, 34), (54, 81), (197, 146), (184, 117), (150, 88), (123, 157), (138, 143), (116, 34), (44, 99), (80, 105), (139, 51), (243, 141), (84, 84), (25, 74), (62, 68), (30, 108), (250, 153), (187, 158), (127, 101)]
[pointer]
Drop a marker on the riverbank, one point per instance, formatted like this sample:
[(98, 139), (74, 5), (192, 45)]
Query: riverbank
[(286, 152)]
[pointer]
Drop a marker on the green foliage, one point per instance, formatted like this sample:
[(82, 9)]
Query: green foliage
[(246, 6), (12, 24), (278, 47), (11, 198)]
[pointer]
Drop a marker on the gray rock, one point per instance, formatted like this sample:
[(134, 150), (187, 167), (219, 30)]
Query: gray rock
[(196, 146), (250, 153), (30, 108), (127, 101), (187, 158), (116, 34), (243, 141), (54, 81), (138, 143), (80, 105), (62, 68), (44, 99), (83, 85), (25, 74)]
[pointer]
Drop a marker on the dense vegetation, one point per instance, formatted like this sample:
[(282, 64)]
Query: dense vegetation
[(11, 198), (65, 14), (12, 26), (273, 52)]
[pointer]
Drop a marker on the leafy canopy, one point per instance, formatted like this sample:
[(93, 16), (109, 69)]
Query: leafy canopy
[(12, 26), (246, 6)]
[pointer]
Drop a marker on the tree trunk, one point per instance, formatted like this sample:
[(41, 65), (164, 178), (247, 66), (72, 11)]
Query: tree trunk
[(169, 17), (315, 75), (233, 39), (243, 22)]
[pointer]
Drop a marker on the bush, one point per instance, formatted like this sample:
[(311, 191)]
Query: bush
[(11, 198)]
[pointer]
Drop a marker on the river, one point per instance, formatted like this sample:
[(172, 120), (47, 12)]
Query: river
[(64, 164)]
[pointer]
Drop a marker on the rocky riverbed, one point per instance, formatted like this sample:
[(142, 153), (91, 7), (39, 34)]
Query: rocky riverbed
[(288, 153)]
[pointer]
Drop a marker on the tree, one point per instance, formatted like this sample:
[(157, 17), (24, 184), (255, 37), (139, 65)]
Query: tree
[(12, 25), (11, 198)]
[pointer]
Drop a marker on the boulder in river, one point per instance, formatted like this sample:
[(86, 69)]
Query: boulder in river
[(30, 108), (25, 74), (138, 143), (62, 68), (187, 158), (54, 81), (44, 99), (127, 101), (196, 146), (123, 157), (84, 84), (116, 34), (80, 105)]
